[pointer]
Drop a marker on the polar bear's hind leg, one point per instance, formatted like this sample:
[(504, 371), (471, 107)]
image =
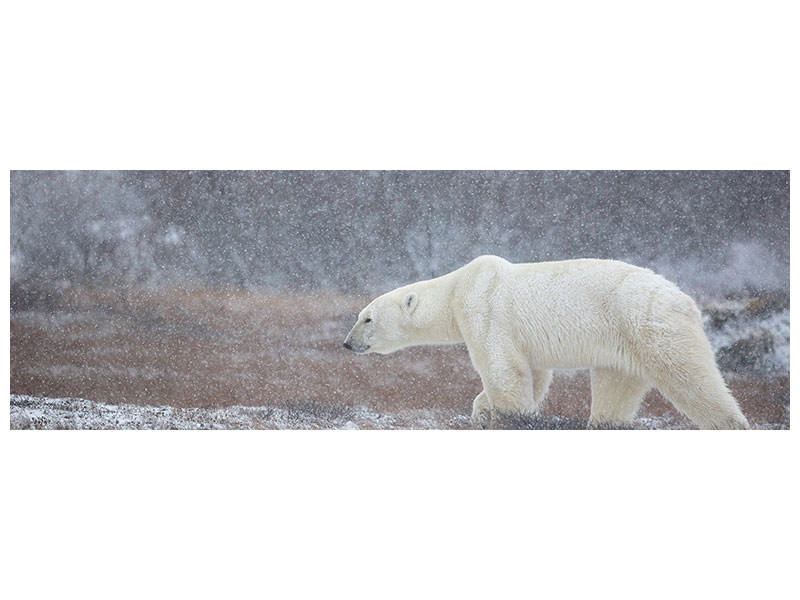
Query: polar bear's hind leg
[(681, 364), (706, 401)]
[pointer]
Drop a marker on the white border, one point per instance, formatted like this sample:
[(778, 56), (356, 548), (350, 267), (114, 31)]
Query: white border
[(398, 514)]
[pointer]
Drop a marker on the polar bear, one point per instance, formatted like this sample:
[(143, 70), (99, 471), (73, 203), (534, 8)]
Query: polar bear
[(634, 329)]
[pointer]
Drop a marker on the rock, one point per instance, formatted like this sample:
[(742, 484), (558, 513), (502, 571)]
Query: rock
[(746, 354), (719, 316), (763, 306)]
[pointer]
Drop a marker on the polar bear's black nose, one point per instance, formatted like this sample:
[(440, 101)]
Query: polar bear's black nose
[(348, 345)]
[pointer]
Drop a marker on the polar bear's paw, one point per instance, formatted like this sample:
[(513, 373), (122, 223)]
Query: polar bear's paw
[(481, 412)]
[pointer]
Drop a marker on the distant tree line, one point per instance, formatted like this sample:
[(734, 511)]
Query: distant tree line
[(364, 230)]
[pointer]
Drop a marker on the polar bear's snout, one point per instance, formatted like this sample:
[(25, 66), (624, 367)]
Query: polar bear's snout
[(355, 341), (355, 347)]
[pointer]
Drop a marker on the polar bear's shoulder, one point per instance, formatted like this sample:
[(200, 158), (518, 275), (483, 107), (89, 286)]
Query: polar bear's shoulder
[(486, 261), (483, 267)]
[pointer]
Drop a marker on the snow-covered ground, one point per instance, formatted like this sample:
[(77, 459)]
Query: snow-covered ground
[(30, 412)]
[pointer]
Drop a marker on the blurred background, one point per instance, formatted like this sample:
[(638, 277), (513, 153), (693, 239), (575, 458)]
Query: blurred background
[(218, 289), (711, 232)]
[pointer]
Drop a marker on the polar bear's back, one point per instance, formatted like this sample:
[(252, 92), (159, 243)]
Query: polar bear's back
[(583, 312), (584, 291), (600, 289)]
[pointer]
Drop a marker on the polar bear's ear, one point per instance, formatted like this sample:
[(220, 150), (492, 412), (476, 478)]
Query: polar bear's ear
[(409, 303)]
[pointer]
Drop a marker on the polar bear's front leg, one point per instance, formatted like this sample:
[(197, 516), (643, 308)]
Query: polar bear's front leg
[(509, 390), (541, 383), (482, 409), (508, 382)]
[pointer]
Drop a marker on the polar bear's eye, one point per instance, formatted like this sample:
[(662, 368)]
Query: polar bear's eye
[(367, 320)]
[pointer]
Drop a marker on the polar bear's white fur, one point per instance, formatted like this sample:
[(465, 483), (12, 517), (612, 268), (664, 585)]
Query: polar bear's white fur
[(632, 328)]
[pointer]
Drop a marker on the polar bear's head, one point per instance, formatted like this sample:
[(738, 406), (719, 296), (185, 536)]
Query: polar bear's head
[(386, 324)]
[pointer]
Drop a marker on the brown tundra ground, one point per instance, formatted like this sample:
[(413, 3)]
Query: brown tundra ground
[(228, 358)]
